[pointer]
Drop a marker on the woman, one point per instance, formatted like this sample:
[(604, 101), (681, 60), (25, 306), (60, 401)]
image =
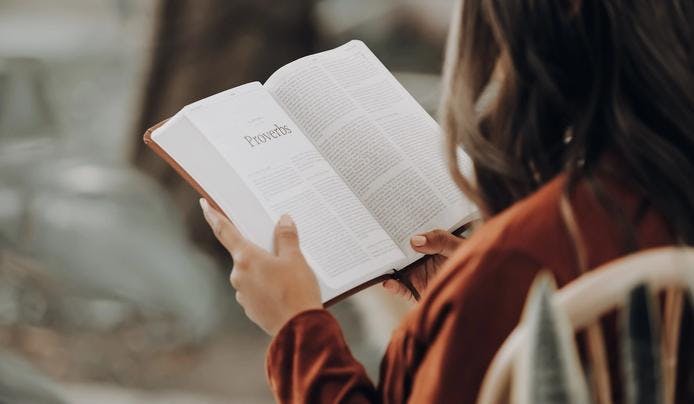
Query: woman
[(584, 154)]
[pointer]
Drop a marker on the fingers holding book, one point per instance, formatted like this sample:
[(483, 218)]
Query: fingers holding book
[(437, 241), (223, 229), (438, 245), (272, 287)]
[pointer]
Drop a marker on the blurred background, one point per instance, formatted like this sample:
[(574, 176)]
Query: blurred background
[(112, 289)]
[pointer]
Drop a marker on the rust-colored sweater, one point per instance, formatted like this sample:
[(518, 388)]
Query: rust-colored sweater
[(440, 352)]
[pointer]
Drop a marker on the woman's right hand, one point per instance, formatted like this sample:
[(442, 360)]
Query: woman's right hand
[(438, 245)]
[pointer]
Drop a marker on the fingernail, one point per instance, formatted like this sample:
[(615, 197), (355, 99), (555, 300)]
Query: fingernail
[(286, 221), (209, 214), (418, 241)]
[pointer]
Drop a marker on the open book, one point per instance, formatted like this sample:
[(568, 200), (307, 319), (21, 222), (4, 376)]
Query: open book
[(335, 141)]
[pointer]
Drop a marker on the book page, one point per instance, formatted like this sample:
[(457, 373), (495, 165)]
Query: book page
[(339, 237), (387, 149)]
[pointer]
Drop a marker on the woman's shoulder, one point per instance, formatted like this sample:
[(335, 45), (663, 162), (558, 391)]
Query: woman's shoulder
[(532, 229), (502, 257), (498, 263)]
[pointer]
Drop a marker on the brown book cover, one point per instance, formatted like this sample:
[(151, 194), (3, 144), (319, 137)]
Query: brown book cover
[(401, 275)]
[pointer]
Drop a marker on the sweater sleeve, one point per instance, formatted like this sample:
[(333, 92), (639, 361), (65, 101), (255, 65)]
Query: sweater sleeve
[(458, 332), (309, 361), (439, 354)]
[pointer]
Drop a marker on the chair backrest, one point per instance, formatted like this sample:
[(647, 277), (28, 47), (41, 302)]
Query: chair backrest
[(600, 291)]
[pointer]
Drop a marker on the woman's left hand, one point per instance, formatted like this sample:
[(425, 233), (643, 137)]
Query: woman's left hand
[(271, 287)]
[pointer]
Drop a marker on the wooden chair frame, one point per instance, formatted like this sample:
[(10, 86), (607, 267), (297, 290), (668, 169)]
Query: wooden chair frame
[(600, 291)]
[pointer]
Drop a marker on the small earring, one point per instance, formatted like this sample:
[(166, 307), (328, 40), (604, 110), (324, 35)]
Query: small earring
[(568, 135), (536, 173)]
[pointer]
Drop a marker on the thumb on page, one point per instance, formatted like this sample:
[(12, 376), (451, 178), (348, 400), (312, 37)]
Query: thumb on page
[(436, 242), (286, 237)]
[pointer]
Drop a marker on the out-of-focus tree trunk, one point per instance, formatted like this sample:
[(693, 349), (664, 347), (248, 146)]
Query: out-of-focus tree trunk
[(202, 47)]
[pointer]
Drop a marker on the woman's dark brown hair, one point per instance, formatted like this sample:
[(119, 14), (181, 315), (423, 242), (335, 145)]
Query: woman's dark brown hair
[(575, 79)]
